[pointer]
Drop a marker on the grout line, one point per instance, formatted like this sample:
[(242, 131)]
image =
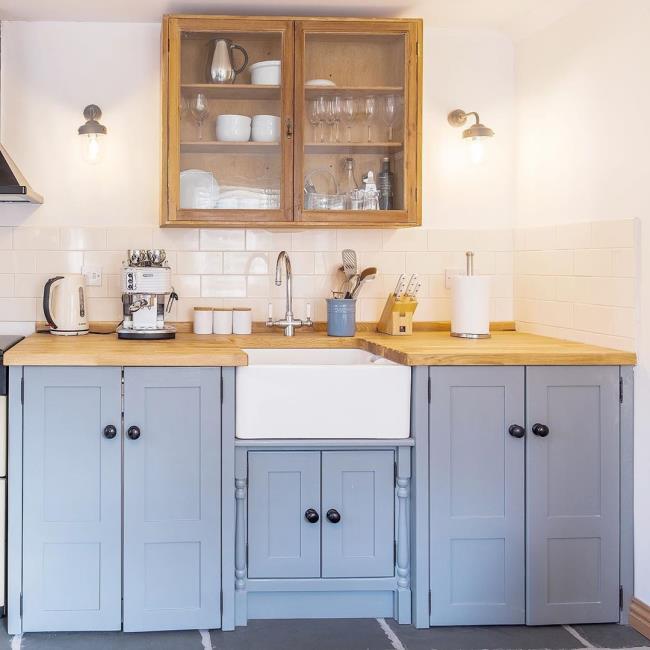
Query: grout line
[(575, 634), (206, 641), (16, 641), (393, 638)]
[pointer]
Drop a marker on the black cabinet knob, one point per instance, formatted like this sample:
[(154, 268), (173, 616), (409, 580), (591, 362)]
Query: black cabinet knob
[(540, 430), (133, 433), (516, 431), (311, 515), (110, 431), (333, 516)]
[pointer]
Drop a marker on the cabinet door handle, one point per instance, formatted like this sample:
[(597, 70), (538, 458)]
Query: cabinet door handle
[(289, 127), (110, 431), (516, 431), (333, 515), (311, 516), (540, 430), (133, 433)]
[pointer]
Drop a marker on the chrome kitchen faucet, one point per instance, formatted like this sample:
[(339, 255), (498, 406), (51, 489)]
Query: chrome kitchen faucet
[(288, 322)]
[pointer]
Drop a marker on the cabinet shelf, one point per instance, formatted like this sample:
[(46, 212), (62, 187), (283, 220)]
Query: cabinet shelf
[(360, 147), (212, 146), (232, 91)]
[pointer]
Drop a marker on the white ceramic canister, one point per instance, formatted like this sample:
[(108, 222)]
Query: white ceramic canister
[(203, 320), (266, 73), (222, 320), (266, 128), (242, 320), (233, 128)]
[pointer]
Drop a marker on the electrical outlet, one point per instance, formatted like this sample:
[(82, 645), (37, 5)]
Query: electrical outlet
[(92, 276), (449, 274)]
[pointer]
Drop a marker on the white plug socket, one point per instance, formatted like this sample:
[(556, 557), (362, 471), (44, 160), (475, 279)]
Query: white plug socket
[(92, 276)]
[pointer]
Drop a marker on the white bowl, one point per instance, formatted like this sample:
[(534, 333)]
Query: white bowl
[(266, 73), (266, 128), (199, 190), (233, 128), (320, 82)]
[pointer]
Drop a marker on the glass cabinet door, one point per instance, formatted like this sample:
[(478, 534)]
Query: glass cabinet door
[(356, 149), (229, 141)]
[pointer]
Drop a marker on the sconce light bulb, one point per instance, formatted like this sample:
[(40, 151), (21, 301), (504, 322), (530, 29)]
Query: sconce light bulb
[(476, 149), (92, 144)]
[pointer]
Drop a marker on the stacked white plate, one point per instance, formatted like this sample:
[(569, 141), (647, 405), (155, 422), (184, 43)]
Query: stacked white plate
[(199, 190)]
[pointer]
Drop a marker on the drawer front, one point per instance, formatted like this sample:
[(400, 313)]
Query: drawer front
[(283, 486), (359, 486)]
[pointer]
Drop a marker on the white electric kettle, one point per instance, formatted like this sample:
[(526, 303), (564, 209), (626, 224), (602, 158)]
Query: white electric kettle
[(64, 305)]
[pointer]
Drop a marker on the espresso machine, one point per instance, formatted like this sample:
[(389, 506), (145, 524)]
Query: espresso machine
[(147, 296)]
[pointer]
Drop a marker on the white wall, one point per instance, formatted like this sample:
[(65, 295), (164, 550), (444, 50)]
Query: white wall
[(583, 100), (50, 71)]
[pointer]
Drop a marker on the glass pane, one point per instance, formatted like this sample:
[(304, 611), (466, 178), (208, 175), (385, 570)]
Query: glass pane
[(230, 151), (354, 121)]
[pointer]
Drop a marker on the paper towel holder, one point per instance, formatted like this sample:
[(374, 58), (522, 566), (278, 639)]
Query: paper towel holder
[(469, 256)]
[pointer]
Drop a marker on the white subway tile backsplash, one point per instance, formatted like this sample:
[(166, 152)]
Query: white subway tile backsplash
[(267, 240), (258, 286), (359, 240), (314, 240), (6, 239), (29, 285), (245, 263), (612, 234), (451, 240), (222, 240), (188, 286), (178, 239), (623, 262), (573, 236), (201, 262), (108, 261), (6, 285), (79, 239), (18, 309), (593, 262), (122, 239), (36, 238), (223, 286), (59, 262), (408, 239)]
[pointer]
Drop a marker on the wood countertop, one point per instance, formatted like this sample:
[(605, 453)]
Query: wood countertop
[(433, 348)]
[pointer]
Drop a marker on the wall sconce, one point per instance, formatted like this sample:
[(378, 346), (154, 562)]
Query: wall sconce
[(92, 135), (476, 135)]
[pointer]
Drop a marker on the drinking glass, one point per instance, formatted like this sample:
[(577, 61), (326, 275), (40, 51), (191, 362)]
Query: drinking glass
[(330, 116), (314, 117), (370, 113), (391, 108), (321, 111), (200, 111), (348, 114), (185, 107), (336, 107)]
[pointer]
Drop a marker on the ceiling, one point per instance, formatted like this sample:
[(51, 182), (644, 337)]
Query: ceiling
[(515, 18)]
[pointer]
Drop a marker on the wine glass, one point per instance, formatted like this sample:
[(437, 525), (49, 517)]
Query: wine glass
[(185, 107), (320, 109), (348, 114), (370, 113), (336, 107), (391, 108), (314, 116), (200, 111), (330, 116)]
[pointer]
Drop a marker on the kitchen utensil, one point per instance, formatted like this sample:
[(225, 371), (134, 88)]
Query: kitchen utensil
[(220, 69), (367, 274), (233, 128), (470, 303), (265, 128), (322, 201), (349, 258), (397, 316), (266, 73), (64, 305), (319, 82), (199, 190), (391, 107), (400, 286), (410, 287), (199, 110)]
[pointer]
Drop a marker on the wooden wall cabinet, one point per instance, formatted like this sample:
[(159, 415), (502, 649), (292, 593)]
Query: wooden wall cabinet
[(371, 62)]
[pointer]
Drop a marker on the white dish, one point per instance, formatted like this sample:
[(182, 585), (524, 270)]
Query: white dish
[(320, 82), (266, 73), (199, 190), (266, 128), (233, 128), (321, 383)]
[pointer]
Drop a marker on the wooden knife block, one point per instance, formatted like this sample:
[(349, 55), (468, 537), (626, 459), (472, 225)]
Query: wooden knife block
[(397, 317)]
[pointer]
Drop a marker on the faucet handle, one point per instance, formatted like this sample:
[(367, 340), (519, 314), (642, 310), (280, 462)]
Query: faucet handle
[(308, 321), (269, 319)]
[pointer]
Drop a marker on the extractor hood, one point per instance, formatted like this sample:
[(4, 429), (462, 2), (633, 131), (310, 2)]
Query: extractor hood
[(14, 188)]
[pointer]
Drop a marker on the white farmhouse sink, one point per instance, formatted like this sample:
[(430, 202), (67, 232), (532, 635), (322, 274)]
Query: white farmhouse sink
[(321, 394)]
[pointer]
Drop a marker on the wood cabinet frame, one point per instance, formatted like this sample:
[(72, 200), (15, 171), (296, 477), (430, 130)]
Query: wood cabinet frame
[(292, 101)]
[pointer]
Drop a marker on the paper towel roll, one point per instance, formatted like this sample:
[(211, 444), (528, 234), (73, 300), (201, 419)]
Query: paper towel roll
[(470, 305)]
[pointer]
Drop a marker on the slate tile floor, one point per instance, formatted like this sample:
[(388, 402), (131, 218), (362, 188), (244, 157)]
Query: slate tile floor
[(341, 634)]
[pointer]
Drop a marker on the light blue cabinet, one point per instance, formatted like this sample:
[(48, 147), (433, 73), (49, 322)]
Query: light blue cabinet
[(72, 499), (323, 514), (172, 554), (120, 524), (477, 496), (572, 495), (284, 488)]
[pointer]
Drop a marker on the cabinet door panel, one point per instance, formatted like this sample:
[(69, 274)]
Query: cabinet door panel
[(573, 495), (282, 487), (477, 496), (359, 485), (171, 499), (71, 509)]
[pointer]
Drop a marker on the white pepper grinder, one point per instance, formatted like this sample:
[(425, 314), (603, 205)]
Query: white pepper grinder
[(470, 303)]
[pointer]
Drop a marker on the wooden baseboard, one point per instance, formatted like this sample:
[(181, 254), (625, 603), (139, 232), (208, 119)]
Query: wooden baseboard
[(640, 617)]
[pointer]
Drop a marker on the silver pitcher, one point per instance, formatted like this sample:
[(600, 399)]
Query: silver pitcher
[(220, 61)]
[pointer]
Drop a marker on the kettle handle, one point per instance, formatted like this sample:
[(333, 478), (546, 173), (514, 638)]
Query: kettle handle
[(233, 46), (47, 300)]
